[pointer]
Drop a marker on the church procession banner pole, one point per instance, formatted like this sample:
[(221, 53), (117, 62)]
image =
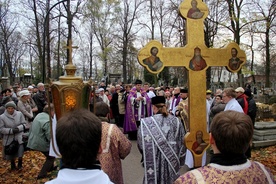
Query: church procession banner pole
[(196, 58)]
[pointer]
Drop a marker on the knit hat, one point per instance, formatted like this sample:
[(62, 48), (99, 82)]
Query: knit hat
[(6, 99), (10, 104), (24, 93)]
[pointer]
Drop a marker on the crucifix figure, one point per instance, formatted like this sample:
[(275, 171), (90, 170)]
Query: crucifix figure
[(196, 58)]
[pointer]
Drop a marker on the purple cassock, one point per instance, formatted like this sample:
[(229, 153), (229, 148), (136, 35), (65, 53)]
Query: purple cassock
[(175, 102), (136, 110)]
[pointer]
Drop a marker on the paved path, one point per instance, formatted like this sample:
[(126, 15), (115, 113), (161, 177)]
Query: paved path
[(133, 172)]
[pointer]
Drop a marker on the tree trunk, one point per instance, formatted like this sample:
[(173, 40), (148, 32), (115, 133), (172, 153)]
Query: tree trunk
[(267, 66), (90, 54), (58, 49), (38, 39), (47, 31), (69, 22)]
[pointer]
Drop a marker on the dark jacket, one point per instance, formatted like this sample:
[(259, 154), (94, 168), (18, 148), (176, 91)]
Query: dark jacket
[(114, 104), (91, 104), (40, 100), (252, 109)]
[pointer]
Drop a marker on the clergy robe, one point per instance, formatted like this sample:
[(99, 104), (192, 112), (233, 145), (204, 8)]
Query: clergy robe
[(115, 147), (160, 139), (233, 105), (175, 101), (136, 110), (249, 172)]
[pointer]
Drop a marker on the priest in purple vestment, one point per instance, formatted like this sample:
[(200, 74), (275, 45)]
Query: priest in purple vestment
[(175, 101), (160, 140), (138, 106)]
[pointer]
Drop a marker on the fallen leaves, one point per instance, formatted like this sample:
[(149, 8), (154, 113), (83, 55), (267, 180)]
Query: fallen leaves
[(32, 163), (266, 156)]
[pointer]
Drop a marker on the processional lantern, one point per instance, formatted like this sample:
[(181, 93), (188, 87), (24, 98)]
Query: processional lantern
[(70, 92)]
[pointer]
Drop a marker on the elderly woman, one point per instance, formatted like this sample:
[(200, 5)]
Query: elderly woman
[(25, 107), (12, 125)]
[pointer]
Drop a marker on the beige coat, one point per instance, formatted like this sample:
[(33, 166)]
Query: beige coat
[(26, 109), (121, 103)]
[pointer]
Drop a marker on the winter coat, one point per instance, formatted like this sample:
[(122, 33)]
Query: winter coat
[(40, 134), (121, 103), (252, 109), (26, 110), (8, 122), (40, 100)]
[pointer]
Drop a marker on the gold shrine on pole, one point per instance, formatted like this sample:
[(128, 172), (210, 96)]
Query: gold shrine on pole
[(70, 92)]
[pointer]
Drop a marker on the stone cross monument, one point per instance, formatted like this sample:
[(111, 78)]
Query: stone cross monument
[(196, 58)]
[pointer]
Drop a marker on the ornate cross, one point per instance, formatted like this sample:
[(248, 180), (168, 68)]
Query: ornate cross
[(196, 57), (70, 68), (147, 138), (70, 48), (166, 128)]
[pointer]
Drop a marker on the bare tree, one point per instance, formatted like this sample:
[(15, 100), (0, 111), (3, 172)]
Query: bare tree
[(127, 22), (104, 15), (33, 13), (236, 15), (44, 26), (215, 16), (12, 43), (89, 49), (267, 12)]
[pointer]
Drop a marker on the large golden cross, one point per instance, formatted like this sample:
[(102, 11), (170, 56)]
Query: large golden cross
[(196, 57)]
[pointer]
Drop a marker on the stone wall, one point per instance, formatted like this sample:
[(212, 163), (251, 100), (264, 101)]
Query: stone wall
[(264, 134)]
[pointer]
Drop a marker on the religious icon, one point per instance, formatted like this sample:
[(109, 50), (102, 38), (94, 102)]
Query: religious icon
[(197, 62), (199, 145), (234, 62), (194, 12), (153, 62)]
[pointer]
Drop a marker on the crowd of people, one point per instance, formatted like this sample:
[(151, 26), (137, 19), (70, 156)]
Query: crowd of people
[(92, 145), (162, 115)]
